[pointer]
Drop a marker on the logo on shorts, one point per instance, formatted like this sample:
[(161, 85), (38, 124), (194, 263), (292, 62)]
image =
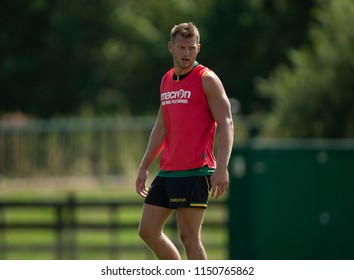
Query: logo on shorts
[(178, 200)]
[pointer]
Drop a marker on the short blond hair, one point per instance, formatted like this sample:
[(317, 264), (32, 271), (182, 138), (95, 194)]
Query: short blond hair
[(186, 30)]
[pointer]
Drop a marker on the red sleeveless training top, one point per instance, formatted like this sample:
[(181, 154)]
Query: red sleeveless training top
[(190, 126)]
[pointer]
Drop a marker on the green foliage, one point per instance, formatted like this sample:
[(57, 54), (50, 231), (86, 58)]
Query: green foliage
[(314, 97), (108, 56), (142, 36), (250, 38), (60, 57), (49, 62)]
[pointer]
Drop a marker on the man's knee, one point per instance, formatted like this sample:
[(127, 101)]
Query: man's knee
[(144, 233), (189, 238), (148, 234)]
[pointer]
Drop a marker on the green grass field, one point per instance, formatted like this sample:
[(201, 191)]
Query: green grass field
[(83, 243)]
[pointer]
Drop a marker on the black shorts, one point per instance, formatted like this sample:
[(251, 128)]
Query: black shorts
[(179, 192)]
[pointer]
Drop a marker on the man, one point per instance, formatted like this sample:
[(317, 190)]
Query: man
[(193, 104)]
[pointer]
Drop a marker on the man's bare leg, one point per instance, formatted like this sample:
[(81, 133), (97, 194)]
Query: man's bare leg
[(151, 231), (190, 223)]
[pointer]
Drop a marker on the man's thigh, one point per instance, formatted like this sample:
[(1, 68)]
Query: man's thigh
[(190, 220), (154, 217)]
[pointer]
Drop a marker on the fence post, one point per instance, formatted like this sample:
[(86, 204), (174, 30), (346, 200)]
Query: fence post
[(113, 232), (71, 223), (59, 231), (2, 232)]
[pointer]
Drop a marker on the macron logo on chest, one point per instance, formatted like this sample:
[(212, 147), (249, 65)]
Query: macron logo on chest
[(175, 97)]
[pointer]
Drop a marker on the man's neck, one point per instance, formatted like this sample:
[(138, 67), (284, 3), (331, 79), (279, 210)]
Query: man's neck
[(178, 77), (183, 71)]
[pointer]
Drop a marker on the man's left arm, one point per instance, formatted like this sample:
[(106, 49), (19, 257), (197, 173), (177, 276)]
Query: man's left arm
[(220, 108)]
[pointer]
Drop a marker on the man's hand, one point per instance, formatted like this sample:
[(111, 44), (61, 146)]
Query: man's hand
[(219, 182), (140, 183)]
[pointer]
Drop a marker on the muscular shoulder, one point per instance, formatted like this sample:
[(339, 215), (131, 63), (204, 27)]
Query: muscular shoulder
[(212, 84)]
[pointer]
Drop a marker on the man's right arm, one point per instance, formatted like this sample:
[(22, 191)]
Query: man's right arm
[(154, 148)]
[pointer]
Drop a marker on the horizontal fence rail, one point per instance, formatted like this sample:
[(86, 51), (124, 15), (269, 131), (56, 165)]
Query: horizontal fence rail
[(65, 225)]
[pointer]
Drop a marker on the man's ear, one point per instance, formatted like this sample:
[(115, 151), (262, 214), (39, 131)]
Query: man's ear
[(170, 46)]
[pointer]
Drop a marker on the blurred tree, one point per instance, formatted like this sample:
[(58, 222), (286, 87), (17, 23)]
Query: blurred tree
[(315, 96), (102, 56), (108, 56), (249, 38), (142, 34), (48, 48)]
